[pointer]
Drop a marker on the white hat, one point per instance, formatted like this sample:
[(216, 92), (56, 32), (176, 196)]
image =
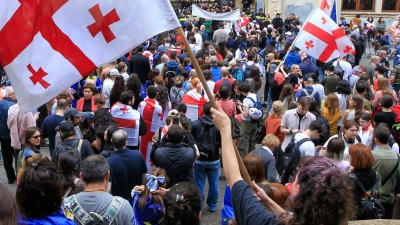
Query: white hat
[(288, 33), (114, 72)]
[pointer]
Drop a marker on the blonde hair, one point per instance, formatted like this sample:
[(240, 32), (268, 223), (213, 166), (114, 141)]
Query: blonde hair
[(332, 103), (196, 85), (270, 141), (278, 109), (27, 161), (383, 86)]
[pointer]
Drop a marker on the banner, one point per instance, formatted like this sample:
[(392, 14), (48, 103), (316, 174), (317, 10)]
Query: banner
[(234, 15)]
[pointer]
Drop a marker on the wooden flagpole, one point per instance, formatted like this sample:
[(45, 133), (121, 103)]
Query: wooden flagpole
[(199, 72)]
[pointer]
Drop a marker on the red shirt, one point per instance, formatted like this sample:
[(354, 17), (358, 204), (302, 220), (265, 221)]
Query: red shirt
[(219, 83)]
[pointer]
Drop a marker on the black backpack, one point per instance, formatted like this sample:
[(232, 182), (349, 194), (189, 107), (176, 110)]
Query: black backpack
[(292, 157), (206, 138), (369, 208)]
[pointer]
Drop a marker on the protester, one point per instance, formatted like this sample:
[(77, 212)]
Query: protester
[(269, 144), (31, 143), (67, 164), (332, 112), (86, 103), (108, 85)]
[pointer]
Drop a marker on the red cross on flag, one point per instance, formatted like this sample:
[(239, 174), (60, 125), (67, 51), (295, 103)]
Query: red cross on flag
[(326, 5), (321, 38), (46, 46)]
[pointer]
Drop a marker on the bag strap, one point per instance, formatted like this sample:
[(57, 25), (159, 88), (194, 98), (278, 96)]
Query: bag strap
[(70, 188), (77, 210), (80, 145), (113, 209), (391, 173), (373, 190), (306, 92)]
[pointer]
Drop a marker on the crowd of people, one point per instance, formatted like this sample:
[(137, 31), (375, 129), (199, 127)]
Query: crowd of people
[(135, 141)]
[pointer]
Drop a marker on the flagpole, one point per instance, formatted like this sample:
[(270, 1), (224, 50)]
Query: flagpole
[(200, 75)]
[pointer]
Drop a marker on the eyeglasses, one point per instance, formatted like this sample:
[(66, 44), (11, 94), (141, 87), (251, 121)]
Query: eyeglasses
[(36, 136)]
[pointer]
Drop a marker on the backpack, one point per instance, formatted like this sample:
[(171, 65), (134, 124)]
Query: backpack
[(206, 139), (76, 148), (292, 157), (369, 207), (268, 40), (216, 73), (238, 74), (351, 59), (175, 92), (308, 95), (169, 75), (247, 70), (256, 111)]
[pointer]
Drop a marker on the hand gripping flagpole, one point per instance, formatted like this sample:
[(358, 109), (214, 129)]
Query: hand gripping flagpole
[(200, 75)]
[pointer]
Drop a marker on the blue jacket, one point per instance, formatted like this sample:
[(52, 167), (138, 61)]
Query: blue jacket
[(292, 58), (5, 104), (53, 219), (309, 89)]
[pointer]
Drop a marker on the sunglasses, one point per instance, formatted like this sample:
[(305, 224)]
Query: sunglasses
[(36, 137)]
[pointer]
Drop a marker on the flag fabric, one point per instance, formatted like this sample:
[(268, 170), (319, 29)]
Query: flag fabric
[(333, 12), (46, 46), (194, 103), (233, 15), (152, 115), (127, 119), (321, 38), (326, 5)]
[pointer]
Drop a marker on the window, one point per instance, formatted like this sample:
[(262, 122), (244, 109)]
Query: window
[(390, 5), (358, 5)]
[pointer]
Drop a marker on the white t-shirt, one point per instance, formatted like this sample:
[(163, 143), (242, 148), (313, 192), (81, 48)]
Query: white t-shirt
[(107, 86), (199, 40), (247, 102), (306, 148), (210, 85), (320, 89), (345, 66), (346, 149)]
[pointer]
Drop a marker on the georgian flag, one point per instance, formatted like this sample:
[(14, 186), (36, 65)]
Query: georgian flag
[(46, 46), (326, 5), (321, 38), (194, 104)]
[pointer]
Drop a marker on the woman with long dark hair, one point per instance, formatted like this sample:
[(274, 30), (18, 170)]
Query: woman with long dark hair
[(163, 99), (67, 163), (117, 89), (102, 120), (133, 84), (255, 81)]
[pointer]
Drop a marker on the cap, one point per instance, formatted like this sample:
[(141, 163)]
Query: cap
[(114, 72), (72, 112), (87, 115), (231, 63), (243, 45), (173, 112), (288, 33), (308, 78), (65, 126), (260, 9), (278, 14), (356, 69)]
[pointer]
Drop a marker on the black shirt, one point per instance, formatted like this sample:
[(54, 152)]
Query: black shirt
[(87, 105), (385, 117), (248, 210)]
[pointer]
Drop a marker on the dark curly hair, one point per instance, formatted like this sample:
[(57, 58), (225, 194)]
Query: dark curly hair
[(102, 120), (182, 205), (39, 192), (324, 195), (117, 89), (162, 96), (133, 84)]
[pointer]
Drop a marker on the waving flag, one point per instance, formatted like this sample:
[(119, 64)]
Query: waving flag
[(321, 38), (233, 15), (326, 5), (46, 46), (194, 103)]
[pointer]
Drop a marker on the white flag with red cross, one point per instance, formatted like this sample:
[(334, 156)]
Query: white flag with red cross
[(321, 38), (46, 46), (326, 5)]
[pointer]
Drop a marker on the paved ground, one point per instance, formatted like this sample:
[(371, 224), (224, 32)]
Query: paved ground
[(208, 218)]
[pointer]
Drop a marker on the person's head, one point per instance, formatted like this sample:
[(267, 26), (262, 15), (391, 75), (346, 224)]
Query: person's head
[(182, 108), (361, 87), (329, 69), (381, 134), (88, 90), (303, 105), (213, 60), (254, 167), (270, 141), (99, 100), (62, 105), (315, 184), (335, 149), (224, 72), (119, 139), (386, 101), (196, 85), (383, 85), (176, 134), (32, 137), (182, 204), (278, 109), (374, 59), (27, 161), (67, 163), (151, 91), (95, 170), (316, 128), (207, 109), (9, 93), (350, 129), (361, 156), (244, 88), (356, 102), (39, 191), (73, 115), (224, 91), (127, 97), (133, 84), (254, 72), (66, 130), (343, 87), (332, 103), (156, 178), (8, 208), (365, 120), (380, 70)]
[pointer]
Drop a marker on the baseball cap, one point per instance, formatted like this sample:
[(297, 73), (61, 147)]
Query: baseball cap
[(357, 69), (288, 33), (72, 112), (87, 115), (260, 9), (173, 112), (231, 63), (308, 78), (65, 126), (278, 14), (114, 72)]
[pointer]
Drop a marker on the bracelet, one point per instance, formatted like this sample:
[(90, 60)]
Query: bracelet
[(290, 131)]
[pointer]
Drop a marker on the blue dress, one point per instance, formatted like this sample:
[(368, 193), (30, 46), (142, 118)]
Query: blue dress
[(152, 214)]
